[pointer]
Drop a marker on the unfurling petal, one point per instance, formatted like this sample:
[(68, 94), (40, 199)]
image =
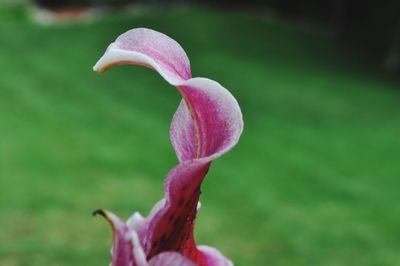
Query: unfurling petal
[(207, 123), (148, 48), (216, 120), (122, 250)]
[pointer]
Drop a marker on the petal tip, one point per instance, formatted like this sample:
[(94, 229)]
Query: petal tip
[(99, 69), (99, 212), (111, 218)]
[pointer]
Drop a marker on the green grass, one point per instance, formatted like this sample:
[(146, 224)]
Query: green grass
[(313, 181)]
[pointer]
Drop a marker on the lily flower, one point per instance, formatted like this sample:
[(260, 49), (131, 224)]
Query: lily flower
[(207, 124)]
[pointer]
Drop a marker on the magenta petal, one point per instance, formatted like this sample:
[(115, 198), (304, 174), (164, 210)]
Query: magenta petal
[(207, 124), (216, 119), (148, 48), (213, 257), (170, 259), (126, 249), (171, 229), (183, 133), (122, 254), (209, 120)]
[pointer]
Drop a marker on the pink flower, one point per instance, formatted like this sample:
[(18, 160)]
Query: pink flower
[(207, 123)]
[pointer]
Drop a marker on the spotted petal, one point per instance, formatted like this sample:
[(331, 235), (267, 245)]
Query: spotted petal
[(207, 123)]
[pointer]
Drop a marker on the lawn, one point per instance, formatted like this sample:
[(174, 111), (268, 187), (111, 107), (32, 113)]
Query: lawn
[(314, 180)]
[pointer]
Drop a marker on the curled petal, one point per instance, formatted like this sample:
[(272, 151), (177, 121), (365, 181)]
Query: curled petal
[(216, 120), (126, 249), (148, 48), (207, 124), (122, 246)]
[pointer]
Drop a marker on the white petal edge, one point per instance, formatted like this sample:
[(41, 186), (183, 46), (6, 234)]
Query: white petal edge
[(214, 257), (115, 56)]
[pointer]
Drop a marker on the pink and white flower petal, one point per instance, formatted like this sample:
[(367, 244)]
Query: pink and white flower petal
[(148, 48), (122, 248), (213, 257), (206, 125), (170, 259)]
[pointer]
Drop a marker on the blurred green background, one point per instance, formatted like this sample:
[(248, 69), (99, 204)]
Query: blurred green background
[(313, 181)]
